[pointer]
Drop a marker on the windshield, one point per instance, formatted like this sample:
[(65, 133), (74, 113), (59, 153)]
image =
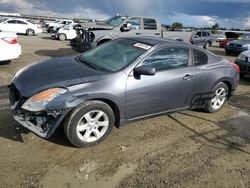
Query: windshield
[(244, 36), (113, 56), (3, 19), (115, 21)]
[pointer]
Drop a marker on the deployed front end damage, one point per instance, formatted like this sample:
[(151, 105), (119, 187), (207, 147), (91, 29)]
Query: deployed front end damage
[(43, 123)]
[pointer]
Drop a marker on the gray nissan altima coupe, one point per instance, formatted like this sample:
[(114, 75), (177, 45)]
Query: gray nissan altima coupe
[(118, 82)]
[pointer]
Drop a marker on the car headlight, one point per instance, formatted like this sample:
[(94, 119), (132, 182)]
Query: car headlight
[(39, 101), (246, 46)]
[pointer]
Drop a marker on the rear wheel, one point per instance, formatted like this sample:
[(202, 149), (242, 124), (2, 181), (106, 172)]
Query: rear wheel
[(30, 32), (89, 124), (220, 93)]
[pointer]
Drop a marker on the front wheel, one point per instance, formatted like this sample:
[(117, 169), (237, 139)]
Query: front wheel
[(62, 37), (220, 93), (30, 32), (89, 124)]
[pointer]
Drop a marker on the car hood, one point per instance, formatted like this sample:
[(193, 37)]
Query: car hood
[(59, 72), (241, 42), (97, 26)]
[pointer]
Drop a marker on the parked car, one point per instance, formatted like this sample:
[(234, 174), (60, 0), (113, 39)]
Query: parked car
[(9, 47), (229, 37), (55, 25), (118, 82), (220, 36), (243, 61), (94, 34), (19, 26), (241, 44), (67, 32), (202, 38)]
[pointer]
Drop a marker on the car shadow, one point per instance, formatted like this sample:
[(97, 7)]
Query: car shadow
[(5, 62), (218, 52), (224, 139), (47, 38), (9, 129), (56, 53)]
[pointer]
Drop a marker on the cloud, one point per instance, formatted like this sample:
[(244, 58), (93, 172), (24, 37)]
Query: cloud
[(228, 13), (191, 20), (40, 8)]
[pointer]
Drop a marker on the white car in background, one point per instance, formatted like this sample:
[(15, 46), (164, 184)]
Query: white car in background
[(9, 47), (21, 26), (55, 25), (67, 32)]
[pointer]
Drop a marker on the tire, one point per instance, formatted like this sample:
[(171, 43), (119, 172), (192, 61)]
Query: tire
[(220, 93), (62, 37), (81, 127), (207, 45), (227, 53), (242, 75), (30, 32)]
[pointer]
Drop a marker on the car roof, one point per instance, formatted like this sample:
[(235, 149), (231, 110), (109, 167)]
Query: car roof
[(153, 41), (246, 53)]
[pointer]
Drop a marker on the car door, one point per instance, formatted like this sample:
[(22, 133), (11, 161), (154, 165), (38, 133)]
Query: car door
[(136, 27), (197, 38), (150, 28), (11, 26), (22, 26), (204, 37), (170, 88)]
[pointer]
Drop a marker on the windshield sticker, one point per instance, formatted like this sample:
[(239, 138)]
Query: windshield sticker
[(143, 46)]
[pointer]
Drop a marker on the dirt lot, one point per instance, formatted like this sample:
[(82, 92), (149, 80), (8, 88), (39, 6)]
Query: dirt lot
[(187, 149)]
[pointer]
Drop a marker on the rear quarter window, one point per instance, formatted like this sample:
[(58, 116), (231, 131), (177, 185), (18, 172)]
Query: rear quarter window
[(200, 58)]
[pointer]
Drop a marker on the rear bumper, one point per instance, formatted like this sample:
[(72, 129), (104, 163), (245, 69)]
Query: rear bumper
[(12, 51), (234, 50)]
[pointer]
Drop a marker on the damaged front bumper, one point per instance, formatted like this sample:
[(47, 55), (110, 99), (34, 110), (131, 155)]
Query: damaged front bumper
[(43, 124)]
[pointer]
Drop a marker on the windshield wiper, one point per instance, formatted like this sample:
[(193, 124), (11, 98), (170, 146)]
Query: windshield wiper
[(82, 60)]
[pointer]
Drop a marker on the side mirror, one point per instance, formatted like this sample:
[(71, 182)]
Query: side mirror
[(126, 27), (144, 70)]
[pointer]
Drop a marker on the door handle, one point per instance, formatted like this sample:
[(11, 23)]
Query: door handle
[(188, 77), (138, 33)]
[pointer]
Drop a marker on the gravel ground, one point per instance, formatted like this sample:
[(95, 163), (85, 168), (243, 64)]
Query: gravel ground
[(185, 149)]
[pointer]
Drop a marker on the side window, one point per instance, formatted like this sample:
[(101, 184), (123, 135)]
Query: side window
[(136, 23), (208, 34), (149, 24), (200, 58), (204, 33), (12, 22), (198, 33), (168, 58), (21, 22), (64, 22)]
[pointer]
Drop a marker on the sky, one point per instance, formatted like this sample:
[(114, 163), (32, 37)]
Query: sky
[(199, 13)]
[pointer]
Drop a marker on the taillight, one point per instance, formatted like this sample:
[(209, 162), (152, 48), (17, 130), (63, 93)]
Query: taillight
[(236, 67), (9, 40)]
